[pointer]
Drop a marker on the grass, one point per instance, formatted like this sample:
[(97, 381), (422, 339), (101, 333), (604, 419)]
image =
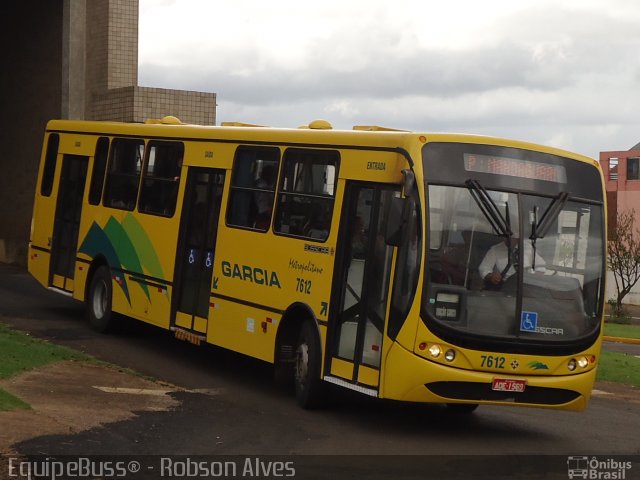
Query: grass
[(622, 330), (619, 367), (19, 352), (9, 402)]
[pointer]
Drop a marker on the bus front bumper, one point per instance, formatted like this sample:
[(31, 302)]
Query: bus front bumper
[(412, 378)]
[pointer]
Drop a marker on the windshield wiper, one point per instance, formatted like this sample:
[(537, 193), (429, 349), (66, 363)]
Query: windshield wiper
[(500, 224), (540, 228)]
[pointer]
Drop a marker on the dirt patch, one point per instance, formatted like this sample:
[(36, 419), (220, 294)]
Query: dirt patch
[(618, 391), (70, 397)]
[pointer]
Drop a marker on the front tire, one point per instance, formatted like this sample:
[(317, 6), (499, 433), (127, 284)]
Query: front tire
[(309, 386), (99, 300)]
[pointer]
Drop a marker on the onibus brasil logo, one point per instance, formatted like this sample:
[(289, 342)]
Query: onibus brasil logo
[(597, 469)]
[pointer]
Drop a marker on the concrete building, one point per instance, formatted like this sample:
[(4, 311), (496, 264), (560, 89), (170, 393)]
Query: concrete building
[(69, 59), (622, 180)]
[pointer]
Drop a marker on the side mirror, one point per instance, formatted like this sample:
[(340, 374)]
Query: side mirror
[(398, 213), (409, 182), (399, 209), (395, 222)]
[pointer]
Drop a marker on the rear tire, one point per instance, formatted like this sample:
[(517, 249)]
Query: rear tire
[(309, 387), (99, 300)]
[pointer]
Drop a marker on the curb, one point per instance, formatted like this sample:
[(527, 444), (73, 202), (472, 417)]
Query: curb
[(635, 341)]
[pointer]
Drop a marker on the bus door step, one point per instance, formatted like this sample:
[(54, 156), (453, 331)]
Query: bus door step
[(188, 336)]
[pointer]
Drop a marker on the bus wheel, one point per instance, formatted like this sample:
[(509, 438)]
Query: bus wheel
[(462, 408), (98, 301), (309, 386)]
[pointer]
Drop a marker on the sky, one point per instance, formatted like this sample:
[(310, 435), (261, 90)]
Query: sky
[(563, 73)]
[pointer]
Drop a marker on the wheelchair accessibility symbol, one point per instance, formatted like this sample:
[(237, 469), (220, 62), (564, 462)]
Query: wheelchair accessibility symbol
[(528, 321), (208, 261)]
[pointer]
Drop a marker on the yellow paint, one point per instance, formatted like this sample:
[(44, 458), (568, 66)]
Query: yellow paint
[(58, 281), (38, 264), (183, 320), (411, 373), (368, 376), (200, 324), (342, 368)]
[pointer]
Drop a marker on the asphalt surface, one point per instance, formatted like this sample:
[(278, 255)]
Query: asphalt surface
[(247, 415)]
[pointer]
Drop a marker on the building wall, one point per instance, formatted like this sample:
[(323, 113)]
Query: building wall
[(31, 90), (137, 104), (623, 194), (122, 49), (69, 59)]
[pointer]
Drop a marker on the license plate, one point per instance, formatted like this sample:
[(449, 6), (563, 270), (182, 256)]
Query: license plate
[(508, 385)]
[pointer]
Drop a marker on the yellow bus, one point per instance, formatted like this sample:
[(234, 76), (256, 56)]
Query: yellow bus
[(419, 267)]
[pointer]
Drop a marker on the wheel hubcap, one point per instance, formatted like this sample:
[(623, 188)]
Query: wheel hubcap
[(302, 363), (100, 300)]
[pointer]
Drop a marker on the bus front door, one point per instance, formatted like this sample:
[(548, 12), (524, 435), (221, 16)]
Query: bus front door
[(361, 290), (66, 226), (196, 250)]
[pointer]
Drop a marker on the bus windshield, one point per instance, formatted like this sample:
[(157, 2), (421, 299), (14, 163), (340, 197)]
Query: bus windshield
[(513, 265)]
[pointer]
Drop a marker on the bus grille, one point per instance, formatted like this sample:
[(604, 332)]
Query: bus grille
[(483, 392)]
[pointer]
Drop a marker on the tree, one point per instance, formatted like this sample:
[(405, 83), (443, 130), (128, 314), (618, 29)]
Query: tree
[(623, 251)]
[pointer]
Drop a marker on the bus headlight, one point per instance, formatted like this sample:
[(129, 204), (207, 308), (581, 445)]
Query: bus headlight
[(435, 350), (450, 355), (583, 362)]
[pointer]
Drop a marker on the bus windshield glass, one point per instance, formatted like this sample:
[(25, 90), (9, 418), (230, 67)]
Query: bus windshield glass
[(512, 264)]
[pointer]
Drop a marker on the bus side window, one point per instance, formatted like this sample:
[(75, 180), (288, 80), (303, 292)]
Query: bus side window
[(307, 190), (99, 167), (161, 178), (49, 165), (123, 179), (253, 184)]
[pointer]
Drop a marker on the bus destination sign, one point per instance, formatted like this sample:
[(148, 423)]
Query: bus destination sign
[(514, 168)]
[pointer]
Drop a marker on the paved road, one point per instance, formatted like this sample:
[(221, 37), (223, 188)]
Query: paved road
[(249, 416)]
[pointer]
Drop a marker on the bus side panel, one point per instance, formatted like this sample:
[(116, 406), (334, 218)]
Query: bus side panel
[(154, 239), (44, 208), (243, 329), (372, 166), (88, 216), (271, 270)]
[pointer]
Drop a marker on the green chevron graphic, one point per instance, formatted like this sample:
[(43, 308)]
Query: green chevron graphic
[(148, 256), (126, 246)]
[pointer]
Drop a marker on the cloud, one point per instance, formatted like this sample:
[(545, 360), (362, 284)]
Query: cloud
[(567, 72)]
